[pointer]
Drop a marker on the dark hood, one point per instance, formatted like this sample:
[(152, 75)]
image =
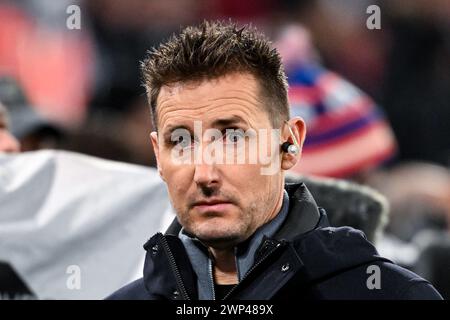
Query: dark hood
[(323, 250)]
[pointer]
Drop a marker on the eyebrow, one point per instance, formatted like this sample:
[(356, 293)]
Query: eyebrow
[(218, 123), (167, 133), (224, 122)]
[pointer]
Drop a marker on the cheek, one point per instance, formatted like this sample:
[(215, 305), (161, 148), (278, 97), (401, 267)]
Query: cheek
[(265, 184), (179, 181), (249, 182)]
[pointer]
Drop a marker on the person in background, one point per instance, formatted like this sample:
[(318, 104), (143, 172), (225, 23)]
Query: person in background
[(8, 143), (28, 125), (348, 135)]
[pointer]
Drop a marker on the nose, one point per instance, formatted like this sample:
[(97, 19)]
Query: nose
[(206, 175), (8, 143)]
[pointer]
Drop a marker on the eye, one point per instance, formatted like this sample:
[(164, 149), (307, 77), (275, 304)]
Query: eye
[(182, 142), (233, 136), (181, 138)]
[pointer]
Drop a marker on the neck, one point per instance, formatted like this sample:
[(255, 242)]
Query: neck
[(225, 271), (279, 202)]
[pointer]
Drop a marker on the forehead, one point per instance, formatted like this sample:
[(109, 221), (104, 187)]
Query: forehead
[(235, 94)]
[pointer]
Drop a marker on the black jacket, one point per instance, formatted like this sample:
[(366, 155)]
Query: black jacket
[(306, 259)]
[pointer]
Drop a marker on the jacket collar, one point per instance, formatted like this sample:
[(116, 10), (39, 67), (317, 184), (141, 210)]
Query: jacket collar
[(304, 215)]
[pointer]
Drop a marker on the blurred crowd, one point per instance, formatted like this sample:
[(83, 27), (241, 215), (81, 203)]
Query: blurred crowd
[(376, 102)]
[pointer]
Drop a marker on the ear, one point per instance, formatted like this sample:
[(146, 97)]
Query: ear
[(298, 128), (155, 144)]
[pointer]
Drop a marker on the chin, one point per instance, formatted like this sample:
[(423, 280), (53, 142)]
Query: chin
[(221, 242), (218, 235)]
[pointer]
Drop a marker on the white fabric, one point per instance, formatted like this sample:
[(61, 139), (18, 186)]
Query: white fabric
[(59, 209)]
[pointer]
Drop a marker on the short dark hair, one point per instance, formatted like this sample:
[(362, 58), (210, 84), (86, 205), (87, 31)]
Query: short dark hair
[(214, 49)]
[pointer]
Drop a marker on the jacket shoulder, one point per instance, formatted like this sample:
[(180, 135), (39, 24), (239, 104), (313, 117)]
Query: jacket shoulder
[(406, 284), (132, 291), (344, 265)]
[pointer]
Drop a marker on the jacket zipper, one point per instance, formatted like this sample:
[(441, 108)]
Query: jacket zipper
[(175, 270), (210, 269), (271, 252)]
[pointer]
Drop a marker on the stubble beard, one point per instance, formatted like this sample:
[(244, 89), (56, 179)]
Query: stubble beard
[(230, 235)]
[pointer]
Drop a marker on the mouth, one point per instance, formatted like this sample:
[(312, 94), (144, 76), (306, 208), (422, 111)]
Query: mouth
[(212, 205)]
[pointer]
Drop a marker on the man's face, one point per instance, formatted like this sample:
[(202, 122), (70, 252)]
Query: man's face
[(221, 203), (7, 141)]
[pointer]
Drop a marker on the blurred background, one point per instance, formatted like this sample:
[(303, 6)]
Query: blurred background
[(376, 102)]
